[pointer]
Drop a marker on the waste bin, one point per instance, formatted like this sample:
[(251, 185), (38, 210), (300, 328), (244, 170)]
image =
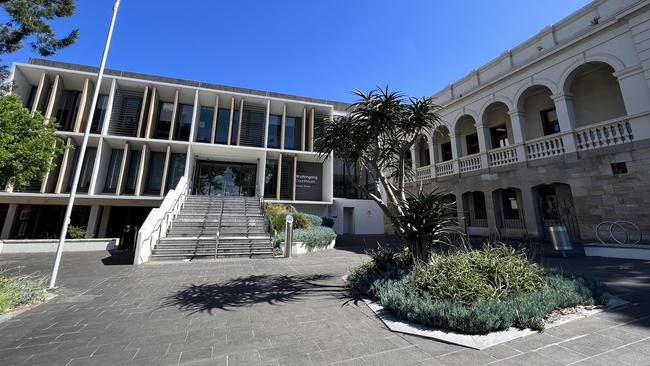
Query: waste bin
[(560, 239)]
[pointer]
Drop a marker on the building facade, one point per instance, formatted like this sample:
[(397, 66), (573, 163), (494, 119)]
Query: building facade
[(147, 132), (554, 131)]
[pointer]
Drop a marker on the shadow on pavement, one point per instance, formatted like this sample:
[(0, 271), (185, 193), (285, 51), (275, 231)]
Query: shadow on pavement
[(250, 290), (119, 258)]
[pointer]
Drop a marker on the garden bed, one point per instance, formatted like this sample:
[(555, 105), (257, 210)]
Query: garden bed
[(474, 298), (20, 293)]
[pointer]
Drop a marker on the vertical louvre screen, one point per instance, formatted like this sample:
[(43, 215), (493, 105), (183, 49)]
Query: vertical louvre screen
[(286, 179), (126, 112), (252, 127)]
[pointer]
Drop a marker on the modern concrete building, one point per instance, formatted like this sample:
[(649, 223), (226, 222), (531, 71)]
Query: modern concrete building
[(554, 131), (149, 131)]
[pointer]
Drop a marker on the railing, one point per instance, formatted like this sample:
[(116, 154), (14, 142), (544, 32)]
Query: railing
[(603, 134), (424, 172), (223, 201), (502, 156), (544, 147), (445, 168), (159, 221), (469, 163)]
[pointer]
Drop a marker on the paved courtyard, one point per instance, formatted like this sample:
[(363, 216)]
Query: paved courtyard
[(281, 312)]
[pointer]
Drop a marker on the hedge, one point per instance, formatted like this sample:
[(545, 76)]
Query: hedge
[(316, 237)]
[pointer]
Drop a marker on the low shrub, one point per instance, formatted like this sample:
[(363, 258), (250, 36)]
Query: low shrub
[(277, 214), (76, 232), (20, 291), (314, 221), (494, 272), (327, 222), (453, 292), (315, 237)]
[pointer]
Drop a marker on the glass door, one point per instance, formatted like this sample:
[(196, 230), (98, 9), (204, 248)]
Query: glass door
[(221, 178)]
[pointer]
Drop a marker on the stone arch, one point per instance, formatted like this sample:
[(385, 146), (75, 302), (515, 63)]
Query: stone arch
[(537, 111), (548, 83), (605, 58)]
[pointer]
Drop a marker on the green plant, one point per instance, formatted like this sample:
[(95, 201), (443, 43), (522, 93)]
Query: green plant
[(327, 222), (428, 220), (315, 237), (20, 291), (27, 143), (376, 135), (473, 292), (314, 221), (76, 232), (494, 273), (277, 213)]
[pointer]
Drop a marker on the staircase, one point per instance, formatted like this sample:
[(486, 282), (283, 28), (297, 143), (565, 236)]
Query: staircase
[(200, 231)]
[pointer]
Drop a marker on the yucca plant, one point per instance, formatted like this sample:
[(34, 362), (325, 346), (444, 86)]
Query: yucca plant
[(429, 219)]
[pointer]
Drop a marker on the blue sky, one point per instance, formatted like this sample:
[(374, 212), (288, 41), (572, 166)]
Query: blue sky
[(321, 49)]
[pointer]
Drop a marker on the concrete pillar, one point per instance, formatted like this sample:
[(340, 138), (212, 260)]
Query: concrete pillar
[(109, 107), (267, 118), (172, 127), (93, 220), (566, 118), (142, 120), (103, 224), (518, 124), (195, 117), (153, 104), (636, 95), (528, 208), (282, 124), (9, 221), (241, 120), (293, 181), (455, 151), (484, 143), (491, 212), (303, 127), (214, 119), (432, 157), (279, 180), (261, 174), (414, 157), (232, 116)]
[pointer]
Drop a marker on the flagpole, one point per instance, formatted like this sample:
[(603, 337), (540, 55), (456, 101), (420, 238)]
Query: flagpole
[(82, 152)]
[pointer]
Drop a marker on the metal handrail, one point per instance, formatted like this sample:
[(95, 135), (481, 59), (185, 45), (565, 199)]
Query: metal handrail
[(223, 201), (180, 200)]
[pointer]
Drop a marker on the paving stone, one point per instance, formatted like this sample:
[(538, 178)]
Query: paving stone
[(466, 357), (560, 354)]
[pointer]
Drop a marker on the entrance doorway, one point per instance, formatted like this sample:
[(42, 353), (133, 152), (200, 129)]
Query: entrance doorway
[(348, 220), (223, 178), (555, 207)]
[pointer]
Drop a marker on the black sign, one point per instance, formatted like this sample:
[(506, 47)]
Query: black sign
[(309, 181)]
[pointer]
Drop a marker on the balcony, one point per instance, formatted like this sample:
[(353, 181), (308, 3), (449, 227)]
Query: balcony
[(608, 133)]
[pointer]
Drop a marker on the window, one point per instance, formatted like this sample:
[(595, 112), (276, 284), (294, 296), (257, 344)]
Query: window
[(113, 175), (86, 169), (550, 122), (29, 102), (165, 112), (348, 178), (509, 203), (499, 136), (235, 128), (292, 133), (67, 112), (425, 159), (471, 143), (480, 210), (271, 178), (445, 151), (184, 122), (128, 116), (133, 164), (223, 124), (100, 114), (176, 170), (205, 124), (156, 167), (275, 124)]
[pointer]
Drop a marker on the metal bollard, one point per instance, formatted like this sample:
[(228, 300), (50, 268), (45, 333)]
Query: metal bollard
[(288, 236)]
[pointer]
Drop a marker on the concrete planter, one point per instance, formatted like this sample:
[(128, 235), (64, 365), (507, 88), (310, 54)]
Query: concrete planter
[(49, 245), (299, 248), (637, 251)]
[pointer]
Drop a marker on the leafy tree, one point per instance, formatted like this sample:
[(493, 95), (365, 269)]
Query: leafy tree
[(28, 23), (377, 134), (27, 143)]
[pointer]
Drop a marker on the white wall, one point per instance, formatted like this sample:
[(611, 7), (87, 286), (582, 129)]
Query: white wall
[(368, 217)]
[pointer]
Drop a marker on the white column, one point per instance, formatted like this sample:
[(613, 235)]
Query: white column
[(9, 221), (636, 95), (267, 118), (566, 118), (517, 124), (195, 116), (455, 152), (432, 157), (103, 224), (484, 144), (261, 174), (93, 219)]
